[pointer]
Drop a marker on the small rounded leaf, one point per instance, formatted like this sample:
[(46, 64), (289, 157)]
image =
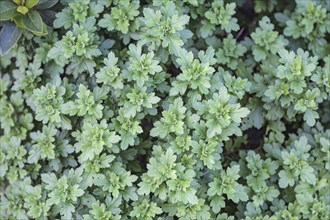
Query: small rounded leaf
[(22, 9)]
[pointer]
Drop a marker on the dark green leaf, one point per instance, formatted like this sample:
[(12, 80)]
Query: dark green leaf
[(45, 4), (48, 17), (31, 3), (33, 21), (7, 10), (9, 35)]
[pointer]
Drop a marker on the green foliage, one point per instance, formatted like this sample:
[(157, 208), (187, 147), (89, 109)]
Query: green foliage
[(209, 153), (221, 14), (109, 74), (92, 139), (230, 52), (19, 15), (118, 182), (266, 40), (99, 211), (222, 115), (172, 120), (121, 16), (196, 74), (261, 5), (76, 12), (185, 110), (63, 192), (296, 166), (258, 179), (43, 144), (144, 209), (47, 101), (128, 129), (78, 47), (86, 104), (227, 185), (163, 28), (310, 21), (140, 65), (289, 89)]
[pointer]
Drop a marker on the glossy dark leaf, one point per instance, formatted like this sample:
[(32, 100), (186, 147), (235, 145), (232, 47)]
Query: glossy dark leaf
[(31, 3), (33, 21), (45, 4), (9, 35), (48, 17)]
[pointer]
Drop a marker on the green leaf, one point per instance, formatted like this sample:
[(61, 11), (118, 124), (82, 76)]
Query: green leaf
[(46, 4), (310, 117), (70, 108), (18, 2), (7, 10), (308, 175), (239, 114), (50, 180), (33, 22), (9, 35), (190, 197), (48, 17), (22, 9), (285, 179), (67, 210), (217, 203), (44, 30), (31, 3), (19, 21)]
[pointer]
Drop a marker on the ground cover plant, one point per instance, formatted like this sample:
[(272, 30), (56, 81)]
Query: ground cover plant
[(157, 109)]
